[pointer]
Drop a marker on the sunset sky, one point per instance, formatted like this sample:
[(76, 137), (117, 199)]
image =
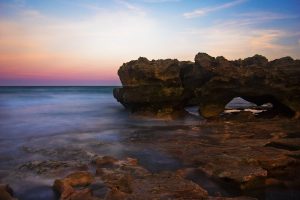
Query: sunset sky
[(84, 42)]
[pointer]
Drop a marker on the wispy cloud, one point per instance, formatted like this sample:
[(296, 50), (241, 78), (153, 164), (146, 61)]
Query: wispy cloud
[(253, 18), (265, 14), (267, 39), (132, 7), (235, 41), (204, 11), (31, 13)]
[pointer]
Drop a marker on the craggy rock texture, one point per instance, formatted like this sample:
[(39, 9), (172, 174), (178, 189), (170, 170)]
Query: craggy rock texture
[(151, 86), (263, 156), (167, 86), (67, 187), (126, 179), (231, 157), (6, 193)]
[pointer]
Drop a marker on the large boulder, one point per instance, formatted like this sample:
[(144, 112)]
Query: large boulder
[(151, 87), (156, 72), (168, 86)]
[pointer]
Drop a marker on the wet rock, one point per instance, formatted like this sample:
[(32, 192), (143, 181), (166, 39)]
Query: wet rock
[(47, 167), (127, 180), (288, 144), (167, 86), (6, 193), (236, 169), (166, 186), (230, 153), (121, 171), (226, 152), (68, 186), (186, 172), (151, 100), (61, 153), (104, 161), (115, 194), (81, 178)]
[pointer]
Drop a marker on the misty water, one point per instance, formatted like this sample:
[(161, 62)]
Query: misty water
[(67, 124)]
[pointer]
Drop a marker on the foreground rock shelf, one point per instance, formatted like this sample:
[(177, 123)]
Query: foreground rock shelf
[(221, 160), (126, 179), (166, 87), (237, 156)]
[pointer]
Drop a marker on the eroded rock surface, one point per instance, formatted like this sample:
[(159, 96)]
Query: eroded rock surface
[(126, 179), (6, 193), (226, 158), (168, 86), (228, 151), (69, 187)]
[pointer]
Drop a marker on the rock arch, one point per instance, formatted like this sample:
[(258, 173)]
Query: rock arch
[(167, 86)]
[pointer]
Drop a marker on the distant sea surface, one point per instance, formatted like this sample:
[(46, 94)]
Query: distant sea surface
[(42, 111)]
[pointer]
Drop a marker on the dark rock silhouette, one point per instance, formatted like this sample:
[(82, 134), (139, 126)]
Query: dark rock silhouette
[(166, 87)]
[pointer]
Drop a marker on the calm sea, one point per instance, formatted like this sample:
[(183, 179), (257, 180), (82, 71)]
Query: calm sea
[(68, 125), (43, 126)]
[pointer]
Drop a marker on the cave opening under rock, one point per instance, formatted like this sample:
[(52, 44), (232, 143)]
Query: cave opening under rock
[(192, 110), (267, 105), (239, 103)]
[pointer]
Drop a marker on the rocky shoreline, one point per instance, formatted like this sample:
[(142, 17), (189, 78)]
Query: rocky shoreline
[(249, 161), (238, 156), (226, 155)]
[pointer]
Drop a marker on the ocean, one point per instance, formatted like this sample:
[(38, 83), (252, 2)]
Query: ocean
[(47, 131), (45, 126)]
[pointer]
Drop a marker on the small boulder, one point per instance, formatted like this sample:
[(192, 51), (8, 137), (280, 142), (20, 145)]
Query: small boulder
[(67, 187)]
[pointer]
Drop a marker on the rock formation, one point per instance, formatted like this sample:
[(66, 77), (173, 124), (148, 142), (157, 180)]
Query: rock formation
[(166, 87)]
